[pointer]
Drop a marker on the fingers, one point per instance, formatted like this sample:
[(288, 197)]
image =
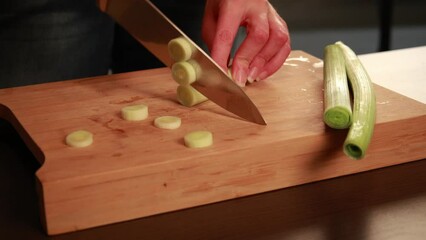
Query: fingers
[(264, 50), (265, 47), (257, 37), (227, 25), (275, 51), (275, 62)]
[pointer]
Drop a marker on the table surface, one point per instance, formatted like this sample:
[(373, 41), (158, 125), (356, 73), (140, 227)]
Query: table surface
[(388, 203)]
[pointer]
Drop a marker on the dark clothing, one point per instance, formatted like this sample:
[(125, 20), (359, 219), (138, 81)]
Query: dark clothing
[(52, 40)]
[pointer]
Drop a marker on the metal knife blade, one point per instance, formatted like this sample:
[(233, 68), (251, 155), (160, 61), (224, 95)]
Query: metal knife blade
[(149, 26)]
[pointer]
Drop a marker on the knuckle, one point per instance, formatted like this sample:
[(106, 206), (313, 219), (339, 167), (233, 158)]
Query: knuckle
[(225, 36), (281, 36), (260, 36), (260, 60)]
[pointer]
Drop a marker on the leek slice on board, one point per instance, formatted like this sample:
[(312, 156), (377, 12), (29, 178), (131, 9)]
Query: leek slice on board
[(198, 139), (136, 112), (79, 139), (167, 122)]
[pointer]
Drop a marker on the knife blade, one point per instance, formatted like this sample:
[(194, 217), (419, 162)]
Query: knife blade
[(150, 27)]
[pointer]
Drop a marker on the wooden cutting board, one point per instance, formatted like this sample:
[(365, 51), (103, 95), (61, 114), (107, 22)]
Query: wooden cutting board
[(134, 170)]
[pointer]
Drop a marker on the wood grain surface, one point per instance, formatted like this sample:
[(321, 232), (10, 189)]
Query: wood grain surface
[(134, 169)]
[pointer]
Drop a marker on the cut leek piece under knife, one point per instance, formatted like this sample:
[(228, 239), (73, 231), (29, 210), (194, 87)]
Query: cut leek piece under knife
[(184, 73), (180, 49), (337, 103), (364, 106), (189, 96)]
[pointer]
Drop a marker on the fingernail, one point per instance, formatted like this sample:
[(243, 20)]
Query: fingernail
[(240, 84), (241, 77), (253, 74), (262, 76)]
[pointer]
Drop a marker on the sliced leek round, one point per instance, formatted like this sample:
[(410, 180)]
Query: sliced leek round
[(184, 73), (167, 122), (135, 112), (180, 49), (198, 139), (79, 139)]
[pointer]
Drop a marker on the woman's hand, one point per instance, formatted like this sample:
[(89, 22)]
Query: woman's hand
[(262, 52)]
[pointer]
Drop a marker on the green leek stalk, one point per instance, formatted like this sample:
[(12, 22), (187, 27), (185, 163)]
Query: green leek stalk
[(337, 103), (364, 106)]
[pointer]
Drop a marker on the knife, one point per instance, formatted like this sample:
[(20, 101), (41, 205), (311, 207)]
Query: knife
[(150, 27)]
